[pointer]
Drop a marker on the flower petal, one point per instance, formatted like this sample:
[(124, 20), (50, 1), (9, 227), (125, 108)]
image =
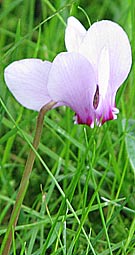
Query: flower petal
[(72, 83), (109, 35), (27, 80), (104, 72), (74, 34)]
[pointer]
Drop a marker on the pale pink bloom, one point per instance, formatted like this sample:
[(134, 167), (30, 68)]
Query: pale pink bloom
[(86, 78)]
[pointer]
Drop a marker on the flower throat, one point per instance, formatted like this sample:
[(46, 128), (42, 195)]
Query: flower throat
[(96, 98)]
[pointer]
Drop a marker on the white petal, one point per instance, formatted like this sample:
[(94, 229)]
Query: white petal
[(103, 72), (109, 35), (27, 80), (74, 34)]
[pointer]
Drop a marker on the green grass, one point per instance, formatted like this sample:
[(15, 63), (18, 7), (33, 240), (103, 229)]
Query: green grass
[(81, 195)]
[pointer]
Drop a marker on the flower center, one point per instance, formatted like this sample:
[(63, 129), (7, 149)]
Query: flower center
[(96, 98)]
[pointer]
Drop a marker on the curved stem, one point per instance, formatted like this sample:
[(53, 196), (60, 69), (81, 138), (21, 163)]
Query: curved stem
[(6, 244)]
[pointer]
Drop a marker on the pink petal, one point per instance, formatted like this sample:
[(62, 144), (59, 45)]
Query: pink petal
[(74, 34), (109, 35), (72, 83), (27, 80)]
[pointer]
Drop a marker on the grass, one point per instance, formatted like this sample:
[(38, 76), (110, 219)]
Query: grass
[(81, 195)]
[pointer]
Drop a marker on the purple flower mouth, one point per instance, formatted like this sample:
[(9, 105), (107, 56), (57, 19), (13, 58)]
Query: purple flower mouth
[(96, 98)]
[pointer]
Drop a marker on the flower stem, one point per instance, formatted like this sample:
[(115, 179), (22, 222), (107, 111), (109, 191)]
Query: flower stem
[(7, 241)]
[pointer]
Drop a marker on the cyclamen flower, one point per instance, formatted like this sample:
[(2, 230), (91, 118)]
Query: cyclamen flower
[(86, 78)]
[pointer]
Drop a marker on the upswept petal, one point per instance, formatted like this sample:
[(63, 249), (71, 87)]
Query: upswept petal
[(72, 83), (27, 80), (109, 35), (74, 34)]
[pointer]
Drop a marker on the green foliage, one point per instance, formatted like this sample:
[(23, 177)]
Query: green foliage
[(81, 196)]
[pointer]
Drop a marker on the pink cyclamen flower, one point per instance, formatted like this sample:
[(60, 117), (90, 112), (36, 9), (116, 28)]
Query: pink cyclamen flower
[(86, 78)]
